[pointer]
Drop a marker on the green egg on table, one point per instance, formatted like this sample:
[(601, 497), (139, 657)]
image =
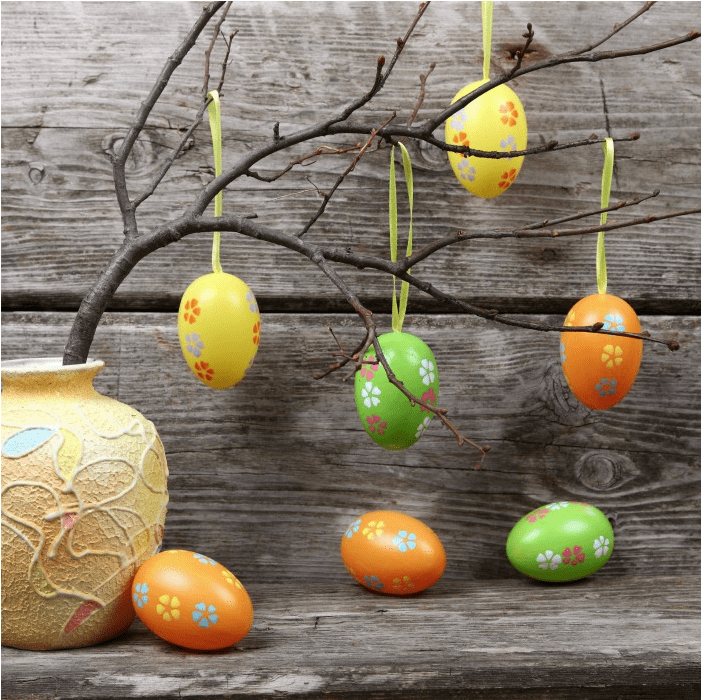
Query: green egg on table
[(385, 412), (561, 541)]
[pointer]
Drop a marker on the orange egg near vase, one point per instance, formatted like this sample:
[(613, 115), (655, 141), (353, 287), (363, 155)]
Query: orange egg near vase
[(600, 368)]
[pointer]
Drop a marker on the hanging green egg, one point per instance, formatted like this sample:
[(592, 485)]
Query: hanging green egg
[(385, 412)]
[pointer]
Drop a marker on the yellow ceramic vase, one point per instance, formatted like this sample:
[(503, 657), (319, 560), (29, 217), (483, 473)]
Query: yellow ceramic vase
[(84, 495)]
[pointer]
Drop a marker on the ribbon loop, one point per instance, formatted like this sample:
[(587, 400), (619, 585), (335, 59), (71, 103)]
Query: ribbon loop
[(214, 111), (606, 177), (487, 13), (399, 310)]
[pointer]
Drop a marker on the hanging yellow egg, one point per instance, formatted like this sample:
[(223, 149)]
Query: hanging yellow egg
[(219, 329), (494, 121)]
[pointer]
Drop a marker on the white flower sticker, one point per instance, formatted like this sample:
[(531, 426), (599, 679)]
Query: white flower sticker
[(549, 560), (601, 545), (370, 394), (558, 505), (427, 371), (423, 426)]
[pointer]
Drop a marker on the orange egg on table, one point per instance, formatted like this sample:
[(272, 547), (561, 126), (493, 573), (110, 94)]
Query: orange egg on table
[(600, 369), (391, 552), (191, 600)]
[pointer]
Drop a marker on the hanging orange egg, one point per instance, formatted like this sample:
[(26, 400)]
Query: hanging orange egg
[(600, 369)]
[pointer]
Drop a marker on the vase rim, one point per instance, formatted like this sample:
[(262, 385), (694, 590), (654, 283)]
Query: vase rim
[(35, 365)]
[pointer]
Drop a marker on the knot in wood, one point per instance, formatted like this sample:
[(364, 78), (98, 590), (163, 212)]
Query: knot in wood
[(603, 471)]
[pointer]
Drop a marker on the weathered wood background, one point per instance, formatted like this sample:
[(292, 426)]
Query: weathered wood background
[(266, 476)]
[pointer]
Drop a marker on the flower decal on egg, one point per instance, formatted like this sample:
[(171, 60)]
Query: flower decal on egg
[(614, 322), (252, 303), (204, 615), (375, 423), (353, 528), (429, 397), (508, 144), (612, 356), (403, 584), (167, 607), (509, 113), (204, 371), (573, 555), (204, 560), (558, 505), (601, 546), (374, 529), (141, 595), (194, 344), (423, 426), (507, 178), (370, 394), (426, 371), (373, 582), (404, 541), (256, 335), (606, 387), (370, 367), (467, 171), (549, 560), (192, 310)]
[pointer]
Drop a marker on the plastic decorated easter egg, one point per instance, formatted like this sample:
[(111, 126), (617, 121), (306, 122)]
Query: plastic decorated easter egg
[(494, 121), (561, 541), (393, 553), (190, 600), (219, 329), (600, 369), (386, 413)]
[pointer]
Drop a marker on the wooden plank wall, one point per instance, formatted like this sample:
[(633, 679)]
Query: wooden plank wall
[(266, 476)]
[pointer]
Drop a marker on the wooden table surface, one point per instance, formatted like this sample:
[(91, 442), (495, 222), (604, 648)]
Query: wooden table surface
[(265, 477)]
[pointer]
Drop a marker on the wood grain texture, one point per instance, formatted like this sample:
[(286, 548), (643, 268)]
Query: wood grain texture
[(510, 640), (75, 74), (266, 476)]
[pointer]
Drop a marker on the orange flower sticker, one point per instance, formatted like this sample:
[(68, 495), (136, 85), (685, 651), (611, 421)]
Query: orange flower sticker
[(507, 179), (461, 138), (509, 113), (204, 371), (192, 310), (256, 333)]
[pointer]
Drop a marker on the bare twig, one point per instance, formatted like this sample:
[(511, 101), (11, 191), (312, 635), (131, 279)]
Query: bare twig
[(521, 53), (210, 48), (616, 28), (126, 207), (422, 94), (343, 176)]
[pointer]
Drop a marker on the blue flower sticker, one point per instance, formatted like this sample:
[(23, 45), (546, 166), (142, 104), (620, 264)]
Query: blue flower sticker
[(354, 526), (563, 355), (141, 595), (204, 560), (404, 541), (204, 616), (614, 322), (606, 387), (373, 582)]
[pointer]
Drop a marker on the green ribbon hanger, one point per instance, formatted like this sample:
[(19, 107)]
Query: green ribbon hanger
[(399, 310), (606, 177), (214, 110), (487, 12)]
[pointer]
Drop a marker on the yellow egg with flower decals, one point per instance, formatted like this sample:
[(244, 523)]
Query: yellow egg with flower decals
[(219, 329), (495, 121)]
